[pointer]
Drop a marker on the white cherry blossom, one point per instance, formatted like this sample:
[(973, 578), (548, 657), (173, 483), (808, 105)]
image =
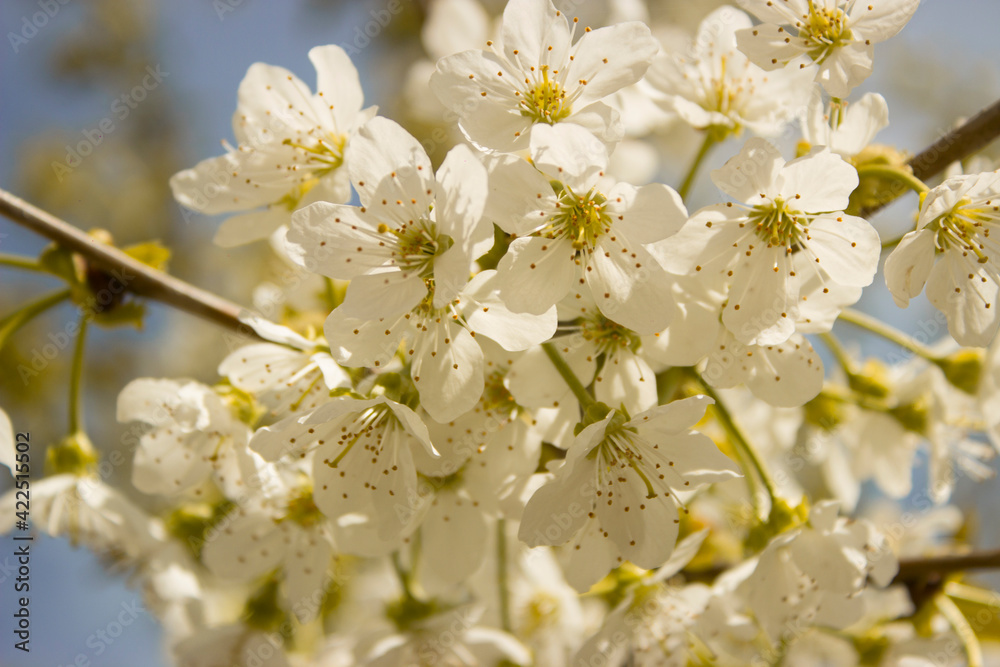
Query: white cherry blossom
[(574, 228), (87, 511), (535, 75), (446, 359), (287, 379), (846, 129), (362, 462), (289, 152), (194, 435), (786, 374), (408, 252), (623, 477), (451, 638), (714, 86), (296, 540), (952, 253), (812, 576), (838, 35), (790, 231), (416, 233)]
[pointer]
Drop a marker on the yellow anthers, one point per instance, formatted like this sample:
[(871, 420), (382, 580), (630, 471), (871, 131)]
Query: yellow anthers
[(824, 30), (606, 335), (581, 219), (959, 228), (323, 156), (418, 245), (778, 225), (546, 101)]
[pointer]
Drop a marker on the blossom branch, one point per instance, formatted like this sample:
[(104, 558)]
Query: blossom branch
[(579, 391), (958, 144), (970, 137), (138, 278), (914, 568), (741, 444), (880, 328)]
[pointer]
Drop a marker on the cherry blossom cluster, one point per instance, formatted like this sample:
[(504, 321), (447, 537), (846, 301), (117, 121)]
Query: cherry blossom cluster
[(552, 417)]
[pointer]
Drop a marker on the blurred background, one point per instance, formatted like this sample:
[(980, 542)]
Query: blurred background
[(64, 68)]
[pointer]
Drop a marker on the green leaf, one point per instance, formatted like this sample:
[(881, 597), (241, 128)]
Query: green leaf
[(150, 253), (979, 606)]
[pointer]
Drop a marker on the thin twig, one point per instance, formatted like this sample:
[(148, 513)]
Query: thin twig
[(970, 137), (973, 135), (136, 277), (913, 568)]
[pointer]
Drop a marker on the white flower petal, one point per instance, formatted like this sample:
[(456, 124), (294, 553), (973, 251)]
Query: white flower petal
[(490, 317), (568, 153), (536, 273), (386, 294), (601, 61), (750, 174), (648, 214), (335, 240), (447, 370), (969, 303), (338, 85), (384, 151), (909, 265), (816, 182), (629, 286), (846, 247), (453, 542), (357, 343), (248, 227)]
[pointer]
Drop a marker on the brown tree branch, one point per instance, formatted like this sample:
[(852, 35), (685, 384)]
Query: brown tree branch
[(970, 137), (915, 568), (136, 277)]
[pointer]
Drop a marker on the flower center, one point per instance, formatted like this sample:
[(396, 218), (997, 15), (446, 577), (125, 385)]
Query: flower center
[(369, 426), (323, 156), (545, 102), (606, 335), (417, 244), (496, 397), (959, 228), (617, 452), (722, 94), (302, 510), (580, 218), (541, 612), (777, 225), (825, 29)]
